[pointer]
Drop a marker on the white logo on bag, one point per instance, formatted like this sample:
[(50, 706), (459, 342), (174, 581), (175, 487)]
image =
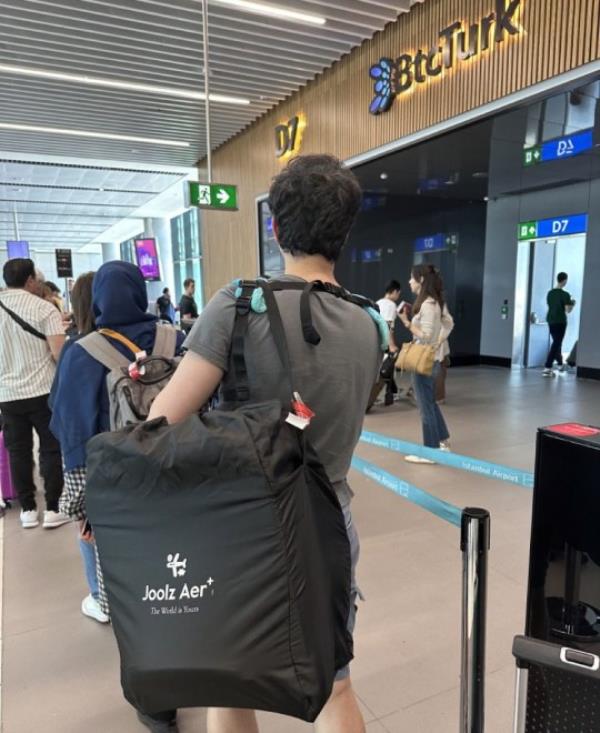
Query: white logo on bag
[(179, 567)]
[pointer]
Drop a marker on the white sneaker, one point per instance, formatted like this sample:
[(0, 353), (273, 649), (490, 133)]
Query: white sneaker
[(91, 608), (548, 373), (445, 447), (52, 520), (30, 519), (419, 460)]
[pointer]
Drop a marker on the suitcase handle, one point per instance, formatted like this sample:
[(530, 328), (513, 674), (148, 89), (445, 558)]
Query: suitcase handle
[(532, 651)]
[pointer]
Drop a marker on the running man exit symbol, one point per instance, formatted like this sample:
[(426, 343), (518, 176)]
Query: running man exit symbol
[(204, 195)]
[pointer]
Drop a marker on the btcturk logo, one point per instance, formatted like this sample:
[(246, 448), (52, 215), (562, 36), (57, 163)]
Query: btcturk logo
[(393, 77), (179, 568)]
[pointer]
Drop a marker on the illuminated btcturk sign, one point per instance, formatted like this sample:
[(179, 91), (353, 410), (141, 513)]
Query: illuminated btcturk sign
[(393, 77)]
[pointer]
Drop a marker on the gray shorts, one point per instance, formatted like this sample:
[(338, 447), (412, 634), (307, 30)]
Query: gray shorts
[(355, 593)]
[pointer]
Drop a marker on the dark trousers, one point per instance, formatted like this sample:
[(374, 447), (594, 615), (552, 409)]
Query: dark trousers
[(19, 419), (557, 332)]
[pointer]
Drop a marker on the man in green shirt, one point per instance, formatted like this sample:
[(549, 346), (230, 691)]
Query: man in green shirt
[(559, 304)]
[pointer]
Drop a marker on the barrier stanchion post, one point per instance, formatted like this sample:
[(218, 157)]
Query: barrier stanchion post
[(475, 545)]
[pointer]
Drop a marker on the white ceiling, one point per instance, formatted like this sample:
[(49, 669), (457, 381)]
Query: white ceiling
[(149, 42), (159, 42), (65, 205)]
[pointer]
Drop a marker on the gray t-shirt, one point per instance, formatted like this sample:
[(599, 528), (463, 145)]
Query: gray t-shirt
[(333, 378)]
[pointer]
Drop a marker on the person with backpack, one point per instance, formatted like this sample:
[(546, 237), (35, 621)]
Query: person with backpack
[(335, 351), (80, 400), (83, 323)]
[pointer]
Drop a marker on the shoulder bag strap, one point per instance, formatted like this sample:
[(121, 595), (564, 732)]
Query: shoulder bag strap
[(278, 333), (165, 343), (101, 350), (24, 325)]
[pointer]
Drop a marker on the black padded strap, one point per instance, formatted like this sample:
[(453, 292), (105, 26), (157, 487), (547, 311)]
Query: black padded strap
[(240, 391), (310, 333)]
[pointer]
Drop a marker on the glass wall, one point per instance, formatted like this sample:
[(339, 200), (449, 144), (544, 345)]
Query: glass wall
[(128, 250), (187, 252)]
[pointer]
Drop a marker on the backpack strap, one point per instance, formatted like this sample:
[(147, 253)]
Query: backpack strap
[(165, 342), (310, 333), (240, 392), (121, 339), (102, 351)]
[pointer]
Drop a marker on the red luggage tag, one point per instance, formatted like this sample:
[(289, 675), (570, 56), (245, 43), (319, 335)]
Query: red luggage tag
[(301, 414), (136, 369)]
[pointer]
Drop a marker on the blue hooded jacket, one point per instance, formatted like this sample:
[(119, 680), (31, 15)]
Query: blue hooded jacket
[(79, 398)]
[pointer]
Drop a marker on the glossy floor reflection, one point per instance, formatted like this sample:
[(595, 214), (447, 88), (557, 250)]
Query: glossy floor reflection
[(60, 670)]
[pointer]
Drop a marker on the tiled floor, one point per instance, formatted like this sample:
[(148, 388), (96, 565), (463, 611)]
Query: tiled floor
[(60, 670)]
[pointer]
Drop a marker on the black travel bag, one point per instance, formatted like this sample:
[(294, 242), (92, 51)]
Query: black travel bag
[(224, 552)]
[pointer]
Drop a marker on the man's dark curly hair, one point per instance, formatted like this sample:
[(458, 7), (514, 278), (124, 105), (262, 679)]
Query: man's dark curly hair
[(314, 202)]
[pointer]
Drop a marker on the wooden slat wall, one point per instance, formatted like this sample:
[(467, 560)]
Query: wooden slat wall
[(559, 35)]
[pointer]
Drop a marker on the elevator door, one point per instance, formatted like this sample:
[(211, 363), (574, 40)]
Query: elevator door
[(549, 257), (541, 278)]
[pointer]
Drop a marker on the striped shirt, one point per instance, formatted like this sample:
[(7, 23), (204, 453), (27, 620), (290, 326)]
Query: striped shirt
[(26, 364)]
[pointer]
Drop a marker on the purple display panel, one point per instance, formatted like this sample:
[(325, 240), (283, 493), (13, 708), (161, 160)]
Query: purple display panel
[(147, 258), (17, 249)]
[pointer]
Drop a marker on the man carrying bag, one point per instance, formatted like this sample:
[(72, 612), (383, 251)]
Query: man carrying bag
[(260, 341)]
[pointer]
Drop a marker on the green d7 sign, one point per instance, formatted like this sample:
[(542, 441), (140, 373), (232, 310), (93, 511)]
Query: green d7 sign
[(218, 196)]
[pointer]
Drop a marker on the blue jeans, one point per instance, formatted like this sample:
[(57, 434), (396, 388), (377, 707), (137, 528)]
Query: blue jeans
[(88, 554), (434, 426)]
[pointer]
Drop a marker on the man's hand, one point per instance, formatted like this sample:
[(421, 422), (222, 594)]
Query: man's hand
[(85, 531), (404, 318), (192, 385)]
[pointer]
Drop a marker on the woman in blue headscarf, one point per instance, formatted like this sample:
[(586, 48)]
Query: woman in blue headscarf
[(79, 399)]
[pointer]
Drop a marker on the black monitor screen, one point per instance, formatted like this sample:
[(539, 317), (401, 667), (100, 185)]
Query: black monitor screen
[(271, 259)]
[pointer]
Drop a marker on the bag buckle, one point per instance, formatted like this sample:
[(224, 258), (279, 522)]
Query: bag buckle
[(244, 302)]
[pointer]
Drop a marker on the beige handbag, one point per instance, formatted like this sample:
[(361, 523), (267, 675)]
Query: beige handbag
[(417, 358)]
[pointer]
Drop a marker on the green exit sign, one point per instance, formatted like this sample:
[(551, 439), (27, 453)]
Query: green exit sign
[(532, 156), (217, 196), (528, 230)]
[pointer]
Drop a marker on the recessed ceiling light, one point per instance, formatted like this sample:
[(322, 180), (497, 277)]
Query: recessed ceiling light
[(274, 11), (96, 135), (383, 176), (117, 84)]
